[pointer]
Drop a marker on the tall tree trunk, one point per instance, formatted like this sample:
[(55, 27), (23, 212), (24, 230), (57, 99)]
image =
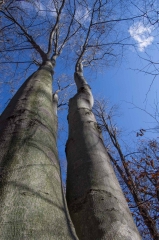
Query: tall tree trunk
[(95, 200), (32, 201)]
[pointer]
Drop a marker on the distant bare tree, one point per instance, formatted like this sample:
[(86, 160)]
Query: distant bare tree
[(137, 172)]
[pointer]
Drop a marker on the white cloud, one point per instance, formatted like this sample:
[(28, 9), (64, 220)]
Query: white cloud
[(26, 5), (142, 35), (51, 8), (43, 7), (82, 15)]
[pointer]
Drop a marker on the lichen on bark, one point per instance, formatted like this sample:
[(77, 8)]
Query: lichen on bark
[(32, 200)]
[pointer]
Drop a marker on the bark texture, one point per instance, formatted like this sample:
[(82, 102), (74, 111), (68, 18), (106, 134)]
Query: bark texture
[(32, 201), (95, 200)]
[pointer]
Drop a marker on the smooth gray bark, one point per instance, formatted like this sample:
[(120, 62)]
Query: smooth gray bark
[(32, 202), (95, 200)]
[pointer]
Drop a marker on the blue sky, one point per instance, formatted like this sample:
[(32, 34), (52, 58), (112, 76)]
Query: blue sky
[(119, 84), (129, 85), (123, 86)]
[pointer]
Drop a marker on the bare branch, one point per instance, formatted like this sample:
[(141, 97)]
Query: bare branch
[(53, 31), (29, 37)]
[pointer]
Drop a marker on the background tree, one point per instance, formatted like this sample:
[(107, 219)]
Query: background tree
[(137, 171)]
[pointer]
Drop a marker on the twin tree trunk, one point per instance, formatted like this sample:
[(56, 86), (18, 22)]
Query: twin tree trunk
[(95, 200), (32, 202), (32, 205)]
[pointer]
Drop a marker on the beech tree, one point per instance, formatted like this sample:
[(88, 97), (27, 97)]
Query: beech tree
[(32, 202), (95, 200)]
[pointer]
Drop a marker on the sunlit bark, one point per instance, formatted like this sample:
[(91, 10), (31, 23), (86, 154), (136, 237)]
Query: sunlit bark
[(95, 200), (32, 201)]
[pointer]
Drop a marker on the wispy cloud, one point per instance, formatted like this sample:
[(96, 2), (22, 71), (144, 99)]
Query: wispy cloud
[(43, 7), (142, 35), (82, 15), (40, 8)]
